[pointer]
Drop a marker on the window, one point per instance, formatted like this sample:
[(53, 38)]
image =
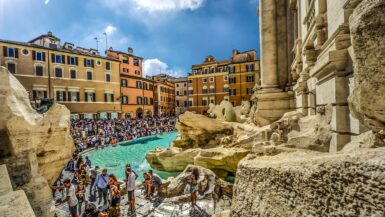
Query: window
[(211, 79), (212, 70), (125, 70), (60, 96), (88, 63), (39, 56), (25, 52), (212, 100), (11, 52), (151, 101), (190, 103), (12, 68), (177, 93), (90, 96), (184, 92), (136, 62), (123, 83), (250, 91), (125, 60), (138, 84), (73, 74), (212, 90), (225, 89), (225, 78), (108, 77), (204, 80), (151, 87), (233, 92), (190, 92), (39, 70), (125, 100), (250, 67), (108, 66), (204, 91), (108, 97), (73, 61), (189, 81), (232, 69), (139, 100), (232, 80), (73, 96), (137, 72), (177, 103), (250, 78), (144, 86), (58, 58), (145, 100), (58, 72), (89, 75), (204, 102), (177, 85), (184, 84)]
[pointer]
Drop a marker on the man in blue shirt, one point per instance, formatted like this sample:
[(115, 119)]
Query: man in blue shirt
[(101, 184)]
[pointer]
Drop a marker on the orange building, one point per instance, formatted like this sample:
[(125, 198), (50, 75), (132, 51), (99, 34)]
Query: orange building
[(214, 81), (136, 92), (164, 95)]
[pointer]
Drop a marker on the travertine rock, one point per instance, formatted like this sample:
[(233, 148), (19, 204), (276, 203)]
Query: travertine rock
[(226, 112), (34, 147), (367, 101), (308, 183), (200, 131)]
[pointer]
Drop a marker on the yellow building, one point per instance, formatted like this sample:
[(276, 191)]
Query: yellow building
[(87, 83)]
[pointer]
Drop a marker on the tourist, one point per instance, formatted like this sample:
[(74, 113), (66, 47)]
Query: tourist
[(147, 185), (71, 198), (91, 211), (81, 195), (131, 177), (88, 161), (156, 182), (94, 173), (100, 184), (192, 185), (114, 187), (58, 182)]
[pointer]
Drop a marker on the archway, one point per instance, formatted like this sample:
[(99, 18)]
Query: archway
[(139, 113)]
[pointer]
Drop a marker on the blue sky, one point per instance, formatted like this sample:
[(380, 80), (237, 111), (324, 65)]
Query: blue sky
[(171, 35)]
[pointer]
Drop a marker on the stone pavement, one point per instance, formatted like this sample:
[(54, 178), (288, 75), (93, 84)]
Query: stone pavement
[(168, 207)]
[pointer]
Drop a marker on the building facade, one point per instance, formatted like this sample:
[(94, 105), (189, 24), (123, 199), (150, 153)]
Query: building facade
[(87, 83), (164, 95), (214, 81), (137, 92), (306, 64), (181, 97)]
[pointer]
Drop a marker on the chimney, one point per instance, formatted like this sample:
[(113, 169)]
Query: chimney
[(49, 33), (130, 50)]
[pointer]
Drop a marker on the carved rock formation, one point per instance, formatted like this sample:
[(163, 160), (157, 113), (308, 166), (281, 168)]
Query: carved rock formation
[(367, 101), (200, 131), (226, 112), (34, 147), (308, 183)]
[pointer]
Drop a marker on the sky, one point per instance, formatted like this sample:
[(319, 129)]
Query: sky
[(170, 35)]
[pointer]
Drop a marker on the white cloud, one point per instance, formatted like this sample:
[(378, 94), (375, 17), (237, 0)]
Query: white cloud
[(110, 30), (46, 2), (168, 5), (156, 66)]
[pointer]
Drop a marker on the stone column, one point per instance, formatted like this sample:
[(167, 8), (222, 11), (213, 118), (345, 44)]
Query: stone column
[(268, 26)]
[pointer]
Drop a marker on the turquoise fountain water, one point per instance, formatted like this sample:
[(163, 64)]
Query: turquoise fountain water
[(115, 158)]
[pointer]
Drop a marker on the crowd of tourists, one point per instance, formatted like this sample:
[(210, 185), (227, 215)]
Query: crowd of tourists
[(94, 192), (100, 133)]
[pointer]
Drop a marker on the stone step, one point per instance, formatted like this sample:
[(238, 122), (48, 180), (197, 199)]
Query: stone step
[(12, 203)]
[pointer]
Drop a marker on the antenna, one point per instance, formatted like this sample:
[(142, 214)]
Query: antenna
[(106, 40), (97, 43)]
